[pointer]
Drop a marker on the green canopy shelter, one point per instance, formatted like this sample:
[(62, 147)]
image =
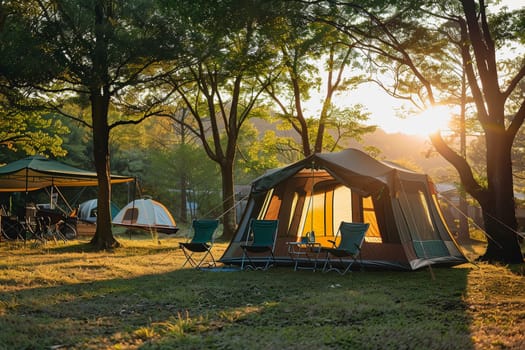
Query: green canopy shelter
[(37, 172)]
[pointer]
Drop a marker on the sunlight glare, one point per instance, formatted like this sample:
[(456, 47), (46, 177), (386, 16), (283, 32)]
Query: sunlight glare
[(432, 120)]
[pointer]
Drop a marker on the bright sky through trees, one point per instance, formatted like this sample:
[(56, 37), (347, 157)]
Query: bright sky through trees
[(388, 113)]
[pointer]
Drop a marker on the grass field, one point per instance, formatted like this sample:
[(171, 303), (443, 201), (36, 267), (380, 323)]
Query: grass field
[(64, 296)]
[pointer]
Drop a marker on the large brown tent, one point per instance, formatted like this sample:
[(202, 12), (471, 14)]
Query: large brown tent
[(407, 230)]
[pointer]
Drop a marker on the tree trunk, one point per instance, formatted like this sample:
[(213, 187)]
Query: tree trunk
[(183, 199), (499, 210), (322, 122), (496, 201), (228, 204), (302, 127), (503, 245), (463, 233), (100, 98), (103, 238)]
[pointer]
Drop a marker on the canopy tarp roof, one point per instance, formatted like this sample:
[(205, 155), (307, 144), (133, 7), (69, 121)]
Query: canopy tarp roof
[(37, 172)]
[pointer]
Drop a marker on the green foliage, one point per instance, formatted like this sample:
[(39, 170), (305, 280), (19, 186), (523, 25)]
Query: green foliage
[(342, 126), (507, 27), (256, 154), (165, 166), (22, 55), (78, 144), (30, 133), (169, 168), (304, 47)]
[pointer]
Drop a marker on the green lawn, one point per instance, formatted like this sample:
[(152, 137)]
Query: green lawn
[(64, 296)]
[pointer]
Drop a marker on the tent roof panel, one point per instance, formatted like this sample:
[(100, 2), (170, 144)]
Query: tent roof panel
[(346, 166)]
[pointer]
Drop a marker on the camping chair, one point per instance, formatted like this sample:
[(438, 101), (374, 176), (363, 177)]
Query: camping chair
[(352, 238), (202, 242), (264, 233)]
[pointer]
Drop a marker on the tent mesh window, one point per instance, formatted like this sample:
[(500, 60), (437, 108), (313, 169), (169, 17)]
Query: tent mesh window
[(426, 239)]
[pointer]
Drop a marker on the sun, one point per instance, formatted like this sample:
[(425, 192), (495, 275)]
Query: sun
[(431, 120)]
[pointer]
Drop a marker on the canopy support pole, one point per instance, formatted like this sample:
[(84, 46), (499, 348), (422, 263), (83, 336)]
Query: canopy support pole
[(133, 207), (27, 191)]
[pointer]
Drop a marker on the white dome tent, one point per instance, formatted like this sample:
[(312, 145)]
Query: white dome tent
[(146, 214)]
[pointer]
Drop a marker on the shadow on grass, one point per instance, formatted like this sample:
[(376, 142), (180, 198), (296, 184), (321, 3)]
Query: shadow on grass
[(73, 253), (276, 309), (86, 247)]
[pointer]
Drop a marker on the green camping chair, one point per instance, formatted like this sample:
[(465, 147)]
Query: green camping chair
[(264, 233), (352, 238), (202, 242)]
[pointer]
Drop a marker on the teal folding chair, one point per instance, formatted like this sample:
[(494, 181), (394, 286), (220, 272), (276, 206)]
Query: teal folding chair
[(263, 233), (201, 243), (352, 238)]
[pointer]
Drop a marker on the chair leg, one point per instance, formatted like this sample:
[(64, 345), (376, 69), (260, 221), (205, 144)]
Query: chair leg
[(213, 263), (189, 258), (347, 268), (253, 266), (326, 262), (242, 261), (250, 264), (327, 267), (197, 264), (270, 259)]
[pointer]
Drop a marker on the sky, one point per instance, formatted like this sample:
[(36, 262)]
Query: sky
[(384, 110)]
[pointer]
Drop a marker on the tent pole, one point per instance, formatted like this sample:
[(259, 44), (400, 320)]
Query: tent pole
[(27, 190), (311, 204), (27, 180), (65, 201), (51, 203)]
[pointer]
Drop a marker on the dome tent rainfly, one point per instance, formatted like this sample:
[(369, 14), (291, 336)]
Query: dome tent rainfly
[(146, 214), (87, 211), (407, 230)]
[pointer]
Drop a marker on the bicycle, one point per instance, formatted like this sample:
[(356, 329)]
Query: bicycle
[(58, 224), (33, 228), (60, 230), (11, 229), (68, 229)]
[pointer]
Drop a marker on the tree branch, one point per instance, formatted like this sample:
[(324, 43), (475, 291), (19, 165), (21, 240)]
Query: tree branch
[(461, 165)]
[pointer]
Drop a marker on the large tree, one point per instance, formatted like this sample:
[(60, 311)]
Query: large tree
[(307, 52), (403, 33), (224, 86), (104, 50)]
